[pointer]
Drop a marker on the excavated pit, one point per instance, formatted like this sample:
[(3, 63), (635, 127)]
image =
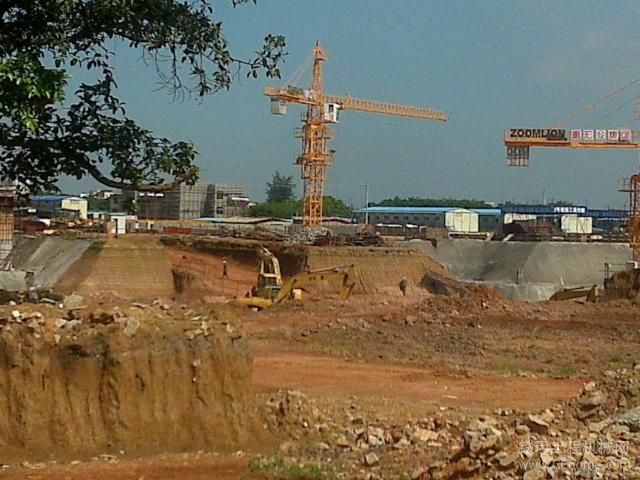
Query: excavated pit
[(378, 270)]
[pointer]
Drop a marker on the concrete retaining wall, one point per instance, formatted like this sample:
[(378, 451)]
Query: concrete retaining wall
[(527, 270), (47, 257)]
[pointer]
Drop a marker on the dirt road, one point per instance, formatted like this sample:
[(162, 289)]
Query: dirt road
[(184, 467), (410, 389)]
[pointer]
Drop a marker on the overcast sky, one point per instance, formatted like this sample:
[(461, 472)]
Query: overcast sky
[(490, 65)]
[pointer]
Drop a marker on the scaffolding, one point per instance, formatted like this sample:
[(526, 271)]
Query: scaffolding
[(632, 187), (7, 201), (185, 202)]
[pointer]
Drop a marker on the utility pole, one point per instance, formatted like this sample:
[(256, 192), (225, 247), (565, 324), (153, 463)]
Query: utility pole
[(366, 204)]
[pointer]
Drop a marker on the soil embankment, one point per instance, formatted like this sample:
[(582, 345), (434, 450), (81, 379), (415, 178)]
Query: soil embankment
[(126, 268), (140, 380)]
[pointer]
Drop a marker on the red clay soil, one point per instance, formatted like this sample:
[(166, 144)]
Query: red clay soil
[(207, 269), (187, 467), (409, 389)]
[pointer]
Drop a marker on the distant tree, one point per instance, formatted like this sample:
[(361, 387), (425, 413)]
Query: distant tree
[(552, 203), (43, 137), (285, 209), (332, 207), (559, 203), (430, 202), (281, 188), (95, 204), (335, 207)]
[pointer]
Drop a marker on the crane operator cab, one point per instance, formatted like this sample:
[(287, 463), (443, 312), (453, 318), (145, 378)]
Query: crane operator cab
[(330, 113)]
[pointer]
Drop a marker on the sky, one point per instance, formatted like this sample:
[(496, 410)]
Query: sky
[(489, 65)]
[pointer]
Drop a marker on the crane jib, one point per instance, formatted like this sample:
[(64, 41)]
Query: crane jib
[(554, 134)]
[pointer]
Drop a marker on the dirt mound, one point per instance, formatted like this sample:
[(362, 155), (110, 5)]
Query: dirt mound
[(483, 291), (127, 267), (442, 286), (139, 379), (623, 285)]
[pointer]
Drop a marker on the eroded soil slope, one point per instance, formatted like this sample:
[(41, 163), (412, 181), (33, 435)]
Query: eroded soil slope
[(136, 379)]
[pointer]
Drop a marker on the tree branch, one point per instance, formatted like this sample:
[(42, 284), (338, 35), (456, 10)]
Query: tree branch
[(142, 187)]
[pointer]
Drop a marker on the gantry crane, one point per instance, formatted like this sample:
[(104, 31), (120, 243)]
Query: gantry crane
[(323, 109), (518, 141)]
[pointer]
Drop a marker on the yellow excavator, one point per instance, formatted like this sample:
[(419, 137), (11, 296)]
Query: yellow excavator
[(592, 294), (271, 290)]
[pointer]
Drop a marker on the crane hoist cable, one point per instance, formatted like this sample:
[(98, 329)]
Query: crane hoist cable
[(617, 109), (590, 107), (300, 71)]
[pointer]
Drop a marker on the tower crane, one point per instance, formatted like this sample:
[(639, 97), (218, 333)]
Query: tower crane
[(518, 141), (322, 109)]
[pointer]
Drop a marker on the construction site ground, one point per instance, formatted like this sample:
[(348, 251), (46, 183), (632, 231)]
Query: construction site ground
[(393, 357)]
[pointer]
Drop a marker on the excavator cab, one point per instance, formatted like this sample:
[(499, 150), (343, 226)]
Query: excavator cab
[(269, 278), (268, 287)]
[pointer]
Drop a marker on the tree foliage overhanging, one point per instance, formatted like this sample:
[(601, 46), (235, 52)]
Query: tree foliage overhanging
[(43, 135)]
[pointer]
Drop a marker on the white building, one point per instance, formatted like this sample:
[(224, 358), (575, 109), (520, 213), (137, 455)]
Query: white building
[(60, 206), (457, 220), (573, 224)]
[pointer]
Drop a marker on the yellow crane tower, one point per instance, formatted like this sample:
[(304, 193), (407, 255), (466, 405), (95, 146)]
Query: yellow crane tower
[(323, 109)]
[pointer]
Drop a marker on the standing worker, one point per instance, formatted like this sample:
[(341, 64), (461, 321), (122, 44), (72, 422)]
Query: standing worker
[(403, 285), (225, 270)]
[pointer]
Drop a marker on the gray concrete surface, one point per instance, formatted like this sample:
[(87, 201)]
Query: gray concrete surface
[(527, 270), (47, 257), (13, 281)]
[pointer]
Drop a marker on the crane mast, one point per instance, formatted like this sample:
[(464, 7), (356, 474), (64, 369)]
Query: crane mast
[(314, 158), (323, 109)]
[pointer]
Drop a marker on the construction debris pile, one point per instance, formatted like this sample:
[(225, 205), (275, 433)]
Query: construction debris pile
[(596, 435)]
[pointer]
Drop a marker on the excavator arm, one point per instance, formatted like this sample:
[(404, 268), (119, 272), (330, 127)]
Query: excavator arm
[(269, 263), (346, 274)]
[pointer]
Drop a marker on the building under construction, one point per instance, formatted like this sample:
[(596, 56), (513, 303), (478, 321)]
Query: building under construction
[(7, 200), (188, 202)]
